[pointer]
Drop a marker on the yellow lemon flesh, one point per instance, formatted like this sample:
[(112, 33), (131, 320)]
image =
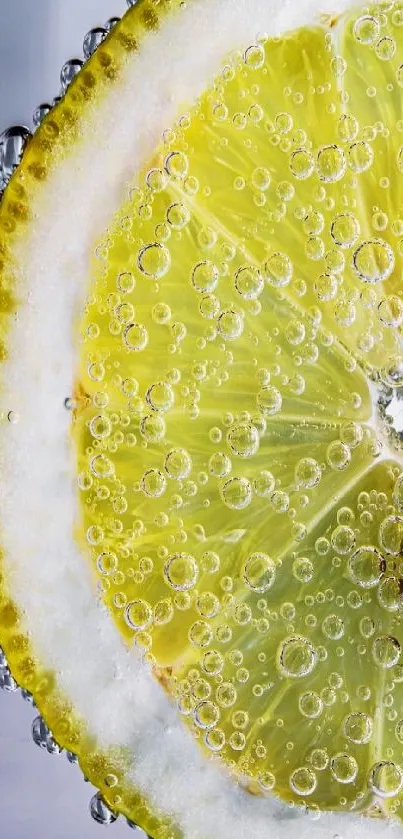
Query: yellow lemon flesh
[(238, 416)]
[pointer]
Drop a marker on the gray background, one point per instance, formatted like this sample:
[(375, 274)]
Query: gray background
[(41, 796)]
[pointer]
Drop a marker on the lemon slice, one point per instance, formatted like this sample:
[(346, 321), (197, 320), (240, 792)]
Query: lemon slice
[(202, 405)]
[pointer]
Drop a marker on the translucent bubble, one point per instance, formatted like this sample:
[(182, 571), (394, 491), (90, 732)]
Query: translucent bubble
[(333, 627), (177, 164), (237, 741), (230, 325), (366, 566), (303, 781), (269, 400), (278, 269), (138, 614), (107, 562), (243, 439), (398, 492), (219, 464), (160, 396), (153, 483), (331, 163), (212, 662), (215, 739), (261, 178), (367, 627), (249, 282), (399, 731), (157, 180), (313, 223), (373, 261), (266, 781), (154, 260), (296, 657), (343, 539), (236, 493), (205, 276), (390, 594), (208, 605), (390, 311), (125, 282), (345, 230), (206, 715), (254, 56), (200, 634), (386, 779), (163, 611), (135, 336), (307, 473), (301, 164), (100, 427), (338, 455), (259, 572), (178, 215), (358, 728), (391, 535), (319, 759), (366, 29), (386, 651), (347, 127), (181, 572), (310, 704), (226, 695), (302, 569), (385, 48), (344, 768), (295, 332), (326, 287), (178, 464), (360, 156), (264, 484), (152, 428)]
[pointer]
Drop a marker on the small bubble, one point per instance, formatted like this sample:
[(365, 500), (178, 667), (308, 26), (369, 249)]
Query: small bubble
[(178, 464), (138, 614), (302, 569), (243, 439), (358, 728), (153, 483), (366, 566), (230, 325), (278, 269), (366, 29), (296, 657), (385, 48), (259, 572), (177, 164), (160, 396), (344, 768), (154, 260), (135, 337), (373, 261), (307, 473), (310, 704), (302, 164), (249, 282), (236, 493), (345, 230), (303, 781), (386, 651), (386, 779), (206, 715), (333, 627), (360, 156), (269, 400), (181, 572), (205, 276), (331, 163)]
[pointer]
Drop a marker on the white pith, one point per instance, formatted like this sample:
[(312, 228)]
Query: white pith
[(69, 629)]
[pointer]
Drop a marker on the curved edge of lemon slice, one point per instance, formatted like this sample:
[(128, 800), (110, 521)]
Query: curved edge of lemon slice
[(59, 641)]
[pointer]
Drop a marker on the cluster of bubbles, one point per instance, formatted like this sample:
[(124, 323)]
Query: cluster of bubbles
[(241, 503)]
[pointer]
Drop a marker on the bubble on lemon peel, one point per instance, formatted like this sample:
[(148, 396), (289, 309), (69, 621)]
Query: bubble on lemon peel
[(247, 445)]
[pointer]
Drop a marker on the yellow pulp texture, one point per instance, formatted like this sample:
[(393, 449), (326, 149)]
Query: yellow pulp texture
[(240, 483), (239, 464)]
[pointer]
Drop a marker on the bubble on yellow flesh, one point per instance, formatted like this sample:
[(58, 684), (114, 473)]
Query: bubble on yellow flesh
[(240, 347)]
